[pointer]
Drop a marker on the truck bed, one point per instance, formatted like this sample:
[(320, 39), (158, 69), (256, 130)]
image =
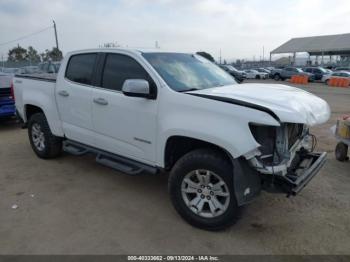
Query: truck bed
[(37, 90), (40, 77)]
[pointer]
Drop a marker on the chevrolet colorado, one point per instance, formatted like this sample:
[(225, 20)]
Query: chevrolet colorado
[(143, 111)]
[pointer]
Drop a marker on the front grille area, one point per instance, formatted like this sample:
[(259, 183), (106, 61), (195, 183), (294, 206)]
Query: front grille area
[(5, 92), (276, 141)]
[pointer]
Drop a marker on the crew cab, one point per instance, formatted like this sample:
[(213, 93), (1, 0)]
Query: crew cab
[(150, 111)]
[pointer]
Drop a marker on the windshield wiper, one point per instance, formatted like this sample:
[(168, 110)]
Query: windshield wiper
[(188, 90)]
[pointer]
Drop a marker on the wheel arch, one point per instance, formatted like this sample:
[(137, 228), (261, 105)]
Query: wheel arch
[(177, 146), (30, 110)]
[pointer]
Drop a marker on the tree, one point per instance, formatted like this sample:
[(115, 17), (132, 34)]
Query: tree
[(32, 55), (17, 54), (206, 55), (56, 54), (52, 55)]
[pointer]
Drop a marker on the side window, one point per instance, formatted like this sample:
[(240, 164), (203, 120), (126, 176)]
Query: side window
[(119, 68), (80, 68)]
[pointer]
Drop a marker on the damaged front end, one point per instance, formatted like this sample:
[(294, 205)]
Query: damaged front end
[(285, 158)]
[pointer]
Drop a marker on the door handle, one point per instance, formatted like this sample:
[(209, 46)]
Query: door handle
[(101, 101), (63, 93)]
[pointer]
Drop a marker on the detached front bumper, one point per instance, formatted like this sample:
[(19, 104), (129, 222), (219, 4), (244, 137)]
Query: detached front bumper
[(303, 169), (317, 160)]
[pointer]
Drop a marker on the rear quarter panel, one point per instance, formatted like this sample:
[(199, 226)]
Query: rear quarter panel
[(40, 93)]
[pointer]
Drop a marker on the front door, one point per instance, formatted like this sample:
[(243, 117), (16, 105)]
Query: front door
[(124, 125)]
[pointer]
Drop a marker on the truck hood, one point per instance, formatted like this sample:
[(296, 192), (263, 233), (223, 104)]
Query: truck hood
[(289, 104)]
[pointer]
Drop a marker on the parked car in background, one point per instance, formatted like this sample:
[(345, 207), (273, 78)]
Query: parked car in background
[(340, 74), (7, 103), (288, 72), (10, 71), (254, 74), (264, 70), (318, 72), (344, 68), (221, 142), (50, 67), (29, 70), (238, 75)]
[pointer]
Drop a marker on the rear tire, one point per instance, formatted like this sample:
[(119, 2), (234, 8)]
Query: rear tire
[(43, 142), (207, 176), (277, 77)]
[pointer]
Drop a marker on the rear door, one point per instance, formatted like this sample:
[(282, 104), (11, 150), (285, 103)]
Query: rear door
[(124, 125), (74, 97)]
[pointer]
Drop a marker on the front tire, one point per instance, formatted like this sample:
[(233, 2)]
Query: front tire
[(201, 190), (43, 142)]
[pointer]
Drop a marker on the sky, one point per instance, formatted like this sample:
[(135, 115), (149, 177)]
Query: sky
[(240, 28)]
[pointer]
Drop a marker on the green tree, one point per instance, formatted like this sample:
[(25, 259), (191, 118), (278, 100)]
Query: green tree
[(17, 54), (32, 55), (206, 55), (56, 54), (52, 55), (45, 55)]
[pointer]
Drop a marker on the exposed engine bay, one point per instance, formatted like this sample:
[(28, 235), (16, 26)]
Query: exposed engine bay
[(285, 156)]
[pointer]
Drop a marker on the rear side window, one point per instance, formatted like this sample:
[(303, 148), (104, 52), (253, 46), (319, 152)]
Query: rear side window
[(80, 68), (119, 68)]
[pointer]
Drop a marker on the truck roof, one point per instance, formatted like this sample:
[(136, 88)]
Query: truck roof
[(125, 50)]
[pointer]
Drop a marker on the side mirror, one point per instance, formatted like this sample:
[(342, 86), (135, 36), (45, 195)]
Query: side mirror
[(136, 88)]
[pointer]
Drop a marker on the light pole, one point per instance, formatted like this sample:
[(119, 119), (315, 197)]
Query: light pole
[(54, 27)]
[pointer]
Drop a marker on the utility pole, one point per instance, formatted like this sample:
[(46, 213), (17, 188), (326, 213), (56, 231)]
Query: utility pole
[(263, 53), (54, 27)]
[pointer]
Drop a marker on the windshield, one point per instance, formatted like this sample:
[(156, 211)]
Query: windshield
[(184, 72)]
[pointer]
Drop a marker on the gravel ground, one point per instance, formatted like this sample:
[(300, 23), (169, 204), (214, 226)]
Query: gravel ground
[(73, 205)]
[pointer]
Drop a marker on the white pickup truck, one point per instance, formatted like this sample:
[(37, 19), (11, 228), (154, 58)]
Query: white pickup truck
[(144, 111)]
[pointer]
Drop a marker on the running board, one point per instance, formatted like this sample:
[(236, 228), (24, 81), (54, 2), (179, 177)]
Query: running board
[(119, 163)]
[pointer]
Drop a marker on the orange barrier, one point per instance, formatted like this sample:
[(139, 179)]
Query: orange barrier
[(299, 79), (339, 82)]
